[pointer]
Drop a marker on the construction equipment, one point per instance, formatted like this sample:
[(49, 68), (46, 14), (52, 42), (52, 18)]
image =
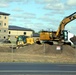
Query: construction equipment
[(24, 40), (59, 35)]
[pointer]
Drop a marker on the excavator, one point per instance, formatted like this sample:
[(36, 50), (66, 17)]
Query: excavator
[(60, 35)]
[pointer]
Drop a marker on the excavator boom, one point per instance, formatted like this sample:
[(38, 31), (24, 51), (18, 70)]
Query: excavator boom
[(64, 22)]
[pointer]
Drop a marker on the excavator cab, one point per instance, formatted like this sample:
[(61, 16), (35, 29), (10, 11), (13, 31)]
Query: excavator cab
[(65, 35)]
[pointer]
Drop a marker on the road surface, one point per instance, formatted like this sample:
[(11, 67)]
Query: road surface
[(37, 68)]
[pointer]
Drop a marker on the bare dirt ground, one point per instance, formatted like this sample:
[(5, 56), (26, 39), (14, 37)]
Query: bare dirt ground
[(38, 53)]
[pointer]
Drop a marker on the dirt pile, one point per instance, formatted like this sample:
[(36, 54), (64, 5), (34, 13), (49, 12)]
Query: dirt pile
[(41, 49), (46, 49), (38, 53), (5, 49), (73, 39)]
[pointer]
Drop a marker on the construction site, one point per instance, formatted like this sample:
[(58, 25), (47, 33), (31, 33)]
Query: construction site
[(50, 47), (44, 53)]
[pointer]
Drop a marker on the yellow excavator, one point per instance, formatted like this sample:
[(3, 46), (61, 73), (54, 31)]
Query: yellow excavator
[(60, 34), (64, 22)]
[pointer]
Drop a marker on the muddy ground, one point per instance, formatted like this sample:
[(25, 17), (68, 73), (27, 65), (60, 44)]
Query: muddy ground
[(38, 53)]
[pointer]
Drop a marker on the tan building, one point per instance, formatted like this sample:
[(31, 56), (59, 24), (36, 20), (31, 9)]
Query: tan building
[(11, 31), (4, 17), (16, 30)]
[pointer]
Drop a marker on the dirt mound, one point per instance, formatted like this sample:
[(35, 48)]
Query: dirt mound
[(41, 49), (38, 53), (5, 49), (47, 49), (73, 39)]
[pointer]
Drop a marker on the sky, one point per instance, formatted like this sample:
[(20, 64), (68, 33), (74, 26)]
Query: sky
[(39, 14)]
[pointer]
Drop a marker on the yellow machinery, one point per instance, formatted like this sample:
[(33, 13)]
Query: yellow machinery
[(24, 40), (30, 40), (60, 33), (64, 22)]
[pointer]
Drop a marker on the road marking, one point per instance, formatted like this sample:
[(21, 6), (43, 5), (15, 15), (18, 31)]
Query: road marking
[(67, 65), (34, 71)]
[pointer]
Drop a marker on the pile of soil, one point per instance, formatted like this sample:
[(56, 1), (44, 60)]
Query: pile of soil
[(38, 53), (73, 39), (41, 49), (47, 49), (5, 49)]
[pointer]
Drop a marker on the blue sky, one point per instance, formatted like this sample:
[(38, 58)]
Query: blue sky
[(39, 14)]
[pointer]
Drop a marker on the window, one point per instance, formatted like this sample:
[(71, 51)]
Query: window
[(8, 35), (4, 24), (5, 17), (4, 37), (24, 33), (0, 17), (4, 30), (0, 24), (9, 32)]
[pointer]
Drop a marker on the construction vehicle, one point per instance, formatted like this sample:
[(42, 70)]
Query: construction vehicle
[(23, 40), (60, 35)]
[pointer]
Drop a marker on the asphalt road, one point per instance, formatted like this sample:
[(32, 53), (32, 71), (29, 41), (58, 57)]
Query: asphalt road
[(37, 68)]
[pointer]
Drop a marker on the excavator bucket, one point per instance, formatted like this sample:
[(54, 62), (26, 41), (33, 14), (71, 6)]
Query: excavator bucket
[(30, 40)]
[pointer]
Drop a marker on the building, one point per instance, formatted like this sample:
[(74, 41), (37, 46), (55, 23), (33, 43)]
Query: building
[(14, 31), (11, 31), (35, 36), (4, 18)]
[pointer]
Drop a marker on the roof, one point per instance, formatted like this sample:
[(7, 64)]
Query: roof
[(19, 28), (3, 13), (35, 35)]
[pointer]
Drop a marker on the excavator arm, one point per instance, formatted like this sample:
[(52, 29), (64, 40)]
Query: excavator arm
[(64, 22)]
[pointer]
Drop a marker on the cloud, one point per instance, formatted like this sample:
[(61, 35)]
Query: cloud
[(26, 21), (56, 6), (36, 26), (17, 10), (12, 19), (8, 1), (52, 13), (25, 15), (45, 18), (4, 5), (71, 2), (28, 15), (46, 1), (17, 16), (72, 29)]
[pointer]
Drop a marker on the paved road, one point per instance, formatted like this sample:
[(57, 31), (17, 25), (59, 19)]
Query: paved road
[(37, 68)]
